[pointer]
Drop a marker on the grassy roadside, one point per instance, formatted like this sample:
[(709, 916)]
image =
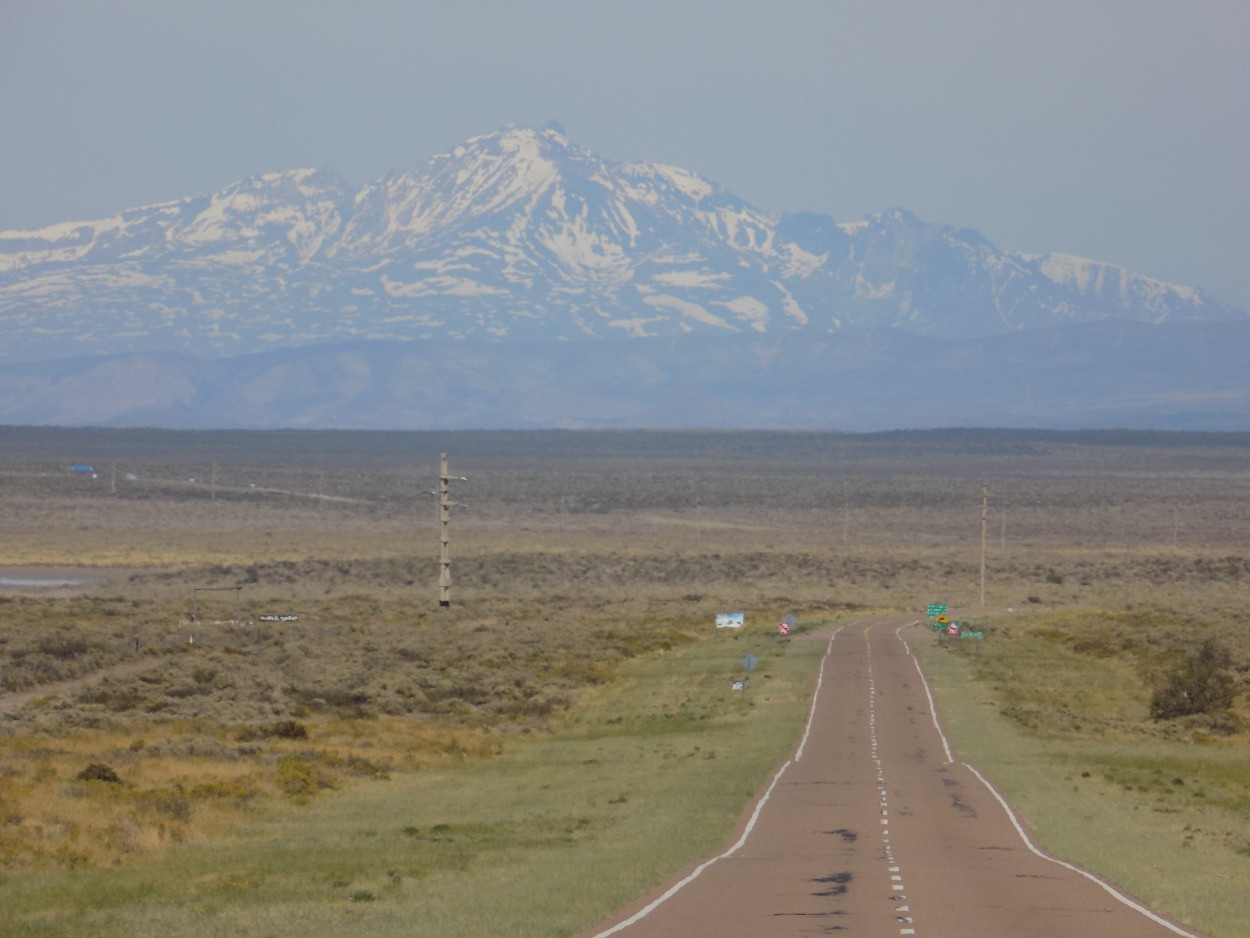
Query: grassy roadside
[(1161, 811), (643, 778)]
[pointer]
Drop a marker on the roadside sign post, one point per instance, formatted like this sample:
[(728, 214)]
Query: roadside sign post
[(952, 633), (749, 661)]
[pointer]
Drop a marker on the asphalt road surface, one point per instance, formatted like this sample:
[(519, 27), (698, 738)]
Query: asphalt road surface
[(875, 829)]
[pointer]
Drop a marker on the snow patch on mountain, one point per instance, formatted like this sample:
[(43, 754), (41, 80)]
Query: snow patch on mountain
[(692, 311), (750, 310), (694, 279), (693, 187), (522, 235)]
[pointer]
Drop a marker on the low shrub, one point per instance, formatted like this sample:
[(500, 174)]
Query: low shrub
[(63, 646), (222, 790), (99, 772), (290, 729), (1201, 683), (301, 779), (283, 729), (171, 803)]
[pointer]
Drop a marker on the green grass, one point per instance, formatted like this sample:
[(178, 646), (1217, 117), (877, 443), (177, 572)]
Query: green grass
[(581, 550), (1066, 738), (643, 778)]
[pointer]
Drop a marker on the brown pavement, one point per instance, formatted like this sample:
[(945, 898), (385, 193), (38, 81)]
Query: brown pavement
[(874, 829)]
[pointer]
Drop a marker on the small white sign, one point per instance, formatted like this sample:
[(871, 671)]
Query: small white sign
[(730, 620)]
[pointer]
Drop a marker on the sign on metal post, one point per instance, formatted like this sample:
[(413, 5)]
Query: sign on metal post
[(749, 661), (936, 609)]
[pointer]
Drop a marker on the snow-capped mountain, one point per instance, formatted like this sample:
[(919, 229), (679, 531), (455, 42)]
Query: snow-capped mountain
[(522, 235)]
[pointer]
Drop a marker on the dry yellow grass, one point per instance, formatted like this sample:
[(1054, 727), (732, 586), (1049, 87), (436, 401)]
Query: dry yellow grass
[(184, 782), (566, 562)]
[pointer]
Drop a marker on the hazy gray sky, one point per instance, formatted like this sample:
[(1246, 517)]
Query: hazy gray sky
[(1113, 129)]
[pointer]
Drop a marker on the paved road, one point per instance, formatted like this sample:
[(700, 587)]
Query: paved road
[(874, 829)]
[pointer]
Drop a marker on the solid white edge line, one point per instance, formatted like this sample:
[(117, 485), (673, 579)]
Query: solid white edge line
[(1015, 821), (755, 815), (698, 870), (820, 681), (928, 693), (1135, 906)]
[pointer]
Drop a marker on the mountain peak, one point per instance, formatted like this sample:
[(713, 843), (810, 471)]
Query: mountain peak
[(521, 234), (519, 141)]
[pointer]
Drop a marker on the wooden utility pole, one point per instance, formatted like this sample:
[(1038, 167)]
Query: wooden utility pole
[(985, 515), (445, 478), (846, 515)]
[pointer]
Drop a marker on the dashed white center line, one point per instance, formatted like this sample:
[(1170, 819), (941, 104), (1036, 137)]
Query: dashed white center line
[(896, 872)]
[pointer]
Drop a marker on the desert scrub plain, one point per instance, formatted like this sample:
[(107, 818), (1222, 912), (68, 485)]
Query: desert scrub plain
[(173, 760)]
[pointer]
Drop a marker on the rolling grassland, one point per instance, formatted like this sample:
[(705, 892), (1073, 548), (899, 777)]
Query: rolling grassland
[(253, 715)]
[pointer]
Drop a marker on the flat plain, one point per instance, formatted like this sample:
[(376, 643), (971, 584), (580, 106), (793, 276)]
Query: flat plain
[(257, 646)]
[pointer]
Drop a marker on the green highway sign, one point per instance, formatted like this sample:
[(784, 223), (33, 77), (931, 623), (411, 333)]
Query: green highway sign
[(936, 609)]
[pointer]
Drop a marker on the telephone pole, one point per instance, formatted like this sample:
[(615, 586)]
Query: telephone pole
[(445, 478), (985, 515)]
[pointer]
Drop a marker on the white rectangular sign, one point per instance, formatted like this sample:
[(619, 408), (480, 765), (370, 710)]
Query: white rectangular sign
[(730, 620)]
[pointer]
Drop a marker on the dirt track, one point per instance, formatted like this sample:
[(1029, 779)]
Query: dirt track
[(875, 829), (18, 699)]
